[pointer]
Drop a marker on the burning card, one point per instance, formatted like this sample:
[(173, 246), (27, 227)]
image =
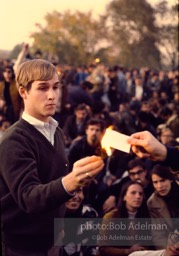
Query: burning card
[(114, 139)]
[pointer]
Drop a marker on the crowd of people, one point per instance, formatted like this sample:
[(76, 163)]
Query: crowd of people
[(131, 185)]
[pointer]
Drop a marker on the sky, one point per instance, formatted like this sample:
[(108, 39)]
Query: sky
[(18, 17)]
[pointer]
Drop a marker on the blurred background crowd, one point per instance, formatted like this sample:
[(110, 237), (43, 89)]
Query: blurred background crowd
[(93, 98)]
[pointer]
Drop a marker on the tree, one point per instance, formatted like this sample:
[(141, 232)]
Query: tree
[(168, 32), (131, 25), (16, 50), (73, 38)]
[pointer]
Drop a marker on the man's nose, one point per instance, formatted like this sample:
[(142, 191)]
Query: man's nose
[(51, 94), (136, 176)]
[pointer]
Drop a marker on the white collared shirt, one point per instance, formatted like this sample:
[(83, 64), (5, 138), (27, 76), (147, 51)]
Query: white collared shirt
[(47, 129)]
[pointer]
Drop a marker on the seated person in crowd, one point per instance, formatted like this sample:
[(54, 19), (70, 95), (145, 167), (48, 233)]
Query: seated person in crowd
[(163, 203), (172, 248), (74, 126), (136, 172), (167, 137), (77, 95), (131, 207), (88, 145), (76, 242)]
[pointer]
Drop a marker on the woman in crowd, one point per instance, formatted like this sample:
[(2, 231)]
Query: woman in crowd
[(131, 209), (163, 204)]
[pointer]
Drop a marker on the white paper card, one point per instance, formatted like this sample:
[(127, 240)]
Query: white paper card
[(117, 140)]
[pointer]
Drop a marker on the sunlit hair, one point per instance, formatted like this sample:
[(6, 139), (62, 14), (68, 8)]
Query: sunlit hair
[(34, 70)]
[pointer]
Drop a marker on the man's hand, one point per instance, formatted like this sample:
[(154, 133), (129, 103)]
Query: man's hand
[(145, 145), (84, 171)]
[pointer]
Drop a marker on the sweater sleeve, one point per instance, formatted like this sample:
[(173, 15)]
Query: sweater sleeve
[(22, 180), (173, 158)]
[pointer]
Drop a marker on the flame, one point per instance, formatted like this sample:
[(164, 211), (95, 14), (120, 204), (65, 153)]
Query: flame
[(105, 142)]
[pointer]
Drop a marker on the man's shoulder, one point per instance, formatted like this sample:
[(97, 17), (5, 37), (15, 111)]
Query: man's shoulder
[(80, 142), (20, 128)]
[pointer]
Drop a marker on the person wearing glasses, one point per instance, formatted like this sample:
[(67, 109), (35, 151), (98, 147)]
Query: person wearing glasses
[(136, 172)]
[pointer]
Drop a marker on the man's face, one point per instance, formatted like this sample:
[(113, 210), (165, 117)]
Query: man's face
[(138, 173), (94, 134), (41, 100), (74, 203), (166, 137), (80, 115)]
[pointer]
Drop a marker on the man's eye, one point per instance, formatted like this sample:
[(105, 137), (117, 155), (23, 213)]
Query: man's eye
[(56, 87), (42, 88)]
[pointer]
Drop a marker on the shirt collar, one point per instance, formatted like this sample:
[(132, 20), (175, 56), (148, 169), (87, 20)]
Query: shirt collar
[(38, 123)]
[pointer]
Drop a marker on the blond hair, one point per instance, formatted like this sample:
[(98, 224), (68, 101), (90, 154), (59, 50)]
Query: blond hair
[(34, 70)]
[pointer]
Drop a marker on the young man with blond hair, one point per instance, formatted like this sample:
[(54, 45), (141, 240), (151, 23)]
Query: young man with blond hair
[(34, 178)]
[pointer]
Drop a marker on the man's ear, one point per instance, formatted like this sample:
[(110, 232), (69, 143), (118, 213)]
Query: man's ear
[(22, 92)]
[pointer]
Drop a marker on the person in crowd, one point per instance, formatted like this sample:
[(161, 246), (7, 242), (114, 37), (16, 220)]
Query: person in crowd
[(97, 79), (77, 241), (126, 121), (172, 247), (163, 203), (144, 123), (74, 126), (128, 85), (81, 74), (100, 110), (150, 107), (145, 145), (9, 92), (88, 145), (4, 125), (136, 172), (113, 89), (173, 120), (131, 207), (77, 95), (167, 137), (139, 90), (165, 113), (35, 181), (22, 56), (153, 82)]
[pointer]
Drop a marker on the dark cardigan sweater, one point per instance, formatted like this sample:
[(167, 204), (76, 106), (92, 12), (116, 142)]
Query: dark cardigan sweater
[(32, 194)]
